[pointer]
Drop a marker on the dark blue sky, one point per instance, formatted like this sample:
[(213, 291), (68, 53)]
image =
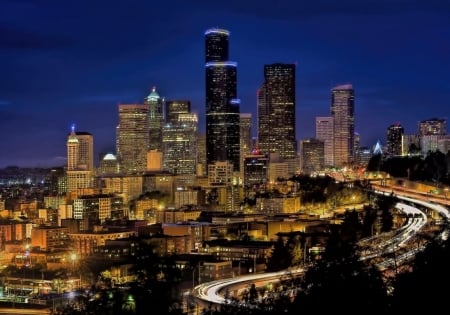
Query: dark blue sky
[(65, 62)]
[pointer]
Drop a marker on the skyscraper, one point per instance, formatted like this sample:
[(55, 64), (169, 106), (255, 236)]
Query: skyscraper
[(276, 111), (201, 154), (246, 133), (155, 119), (73, 147), (433, 126), (80, 160), (222, 105), (180, 143), (342, 111), (324, 132), (394, 139), (312, 155), (432, 132), (132, 138), (174, 108), (80, 150)]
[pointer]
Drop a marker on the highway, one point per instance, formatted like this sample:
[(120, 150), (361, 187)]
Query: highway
[(23, 311), (213, 292)]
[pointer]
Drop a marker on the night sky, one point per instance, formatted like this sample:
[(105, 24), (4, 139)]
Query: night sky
[(73, 62)]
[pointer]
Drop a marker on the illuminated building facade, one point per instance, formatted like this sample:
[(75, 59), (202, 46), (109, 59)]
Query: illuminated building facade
[(433, 126), (132, 138), (108, 164), (222, 105), (175, 107), (276, 111), (312, 155), (179, 139), (97, 208), (324, 132), (246, 124), (201, 154), (246, 145), (394, 137), (342, 111), (80, 160), (256, 167)]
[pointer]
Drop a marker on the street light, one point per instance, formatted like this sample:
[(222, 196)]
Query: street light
[(73, 257)]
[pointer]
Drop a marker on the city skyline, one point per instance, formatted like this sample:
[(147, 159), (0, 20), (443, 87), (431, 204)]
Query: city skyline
[(66, 64)]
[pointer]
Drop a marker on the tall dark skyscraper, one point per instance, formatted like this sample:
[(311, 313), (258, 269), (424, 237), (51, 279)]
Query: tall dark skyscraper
[(276, 111), (394, 137), (222, 105), (343, 113)]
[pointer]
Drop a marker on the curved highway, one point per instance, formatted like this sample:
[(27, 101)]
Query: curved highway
[(214, 292)]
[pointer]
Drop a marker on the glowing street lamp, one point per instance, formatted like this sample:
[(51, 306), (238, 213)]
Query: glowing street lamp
[(73, 257)]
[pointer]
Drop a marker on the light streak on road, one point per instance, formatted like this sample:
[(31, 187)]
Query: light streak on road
[(211, 292)]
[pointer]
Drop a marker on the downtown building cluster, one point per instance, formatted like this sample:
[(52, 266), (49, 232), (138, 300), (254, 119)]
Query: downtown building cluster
[(165, 172), (226, 164)]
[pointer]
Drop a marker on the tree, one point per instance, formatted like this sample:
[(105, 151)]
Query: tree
[(280, 258), (424, 286), (370, 216), (350, 227), (295, 250), (343, 281)]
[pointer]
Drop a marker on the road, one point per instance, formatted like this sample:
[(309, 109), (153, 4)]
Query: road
[(213, 292), (24, 311)]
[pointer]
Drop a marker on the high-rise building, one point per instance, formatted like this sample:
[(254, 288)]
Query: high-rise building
[(73, 147), (179, 138), (324, 132), (276, 111), (312, 155), (132, 138), (364, 156), (394, 137), (108, 164), (431, 132), (356, 148), (431, 143), (433, 126), (80, 160), (201, 154), (174, 108), (155, 119), (245, 124), (80, 150), (342, 111), (97, 208), (180, 145), (256, 169), (222, 105)]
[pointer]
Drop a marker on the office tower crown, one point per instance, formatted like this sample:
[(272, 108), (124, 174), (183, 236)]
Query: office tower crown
[(216, 44)]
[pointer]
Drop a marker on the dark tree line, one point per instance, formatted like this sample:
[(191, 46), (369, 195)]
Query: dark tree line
[(435, 167)]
